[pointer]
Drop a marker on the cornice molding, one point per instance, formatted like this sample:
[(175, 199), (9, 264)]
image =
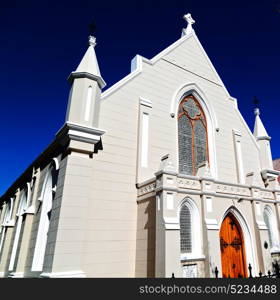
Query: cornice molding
[(96, 78), (76, 132)]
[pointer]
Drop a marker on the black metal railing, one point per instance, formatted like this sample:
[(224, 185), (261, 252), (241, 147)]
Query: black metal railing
[(275, 273)]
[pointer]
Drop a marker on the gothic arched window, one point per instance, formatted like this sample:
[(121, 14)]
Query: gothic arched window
[(46, 198), (192, 136), (185, 229)]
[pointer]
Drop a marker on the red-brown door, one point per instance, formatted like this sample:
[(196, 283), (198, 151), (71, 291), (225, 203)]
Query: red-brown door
[(232, 248)]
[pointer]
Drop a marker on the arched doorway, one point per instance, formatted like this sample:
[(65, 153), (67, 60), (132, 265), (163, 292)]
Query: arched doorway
[(232, 248)]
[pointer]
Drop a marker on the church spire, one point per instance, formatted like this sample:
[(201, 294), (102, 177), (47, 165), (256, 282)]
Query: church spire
[(88, 66), (263, 140), (87, 83), (259, 129)]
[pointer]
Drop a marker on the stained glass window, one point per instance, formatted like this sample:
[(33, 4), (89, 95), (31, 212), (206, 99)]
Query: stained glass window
[(192, 136), (185, 230)]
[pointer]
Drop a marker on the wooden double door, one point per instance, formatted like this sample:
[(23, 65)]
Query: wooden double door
[(232, 248)]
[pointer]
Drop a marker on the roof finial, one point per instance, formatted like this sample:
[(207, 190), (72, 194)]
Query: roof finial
[(190, 21), (92, 40), (256, 102)]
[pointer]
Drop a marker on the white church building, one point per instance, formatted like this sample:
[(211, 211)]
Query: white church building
[(157, 175)]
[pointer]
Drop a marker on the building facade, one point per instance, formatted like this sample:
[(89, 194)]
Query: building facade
[(158, 174)]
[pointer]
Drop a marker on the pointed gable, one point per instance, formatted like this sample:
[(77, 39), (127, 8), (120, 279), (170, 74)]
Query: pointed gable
[(190, 56)]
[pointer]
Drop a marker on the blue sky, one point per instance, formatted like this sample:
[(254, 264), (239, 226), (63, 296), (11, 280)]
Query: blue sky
[(43, 41)]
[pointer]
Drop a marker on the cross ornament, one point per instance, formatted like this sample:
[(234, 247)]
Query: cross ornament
[(92, 40), (190, 21)]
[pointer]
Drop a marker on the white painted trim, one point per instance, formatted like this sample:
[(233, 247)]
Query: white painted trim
[(212, 124), (21, 210), (248, 237), (3, 234), (144, 139), (261, 225), (212, 224), (15, 244), (146, 102), (12, 200), (137, 69), (30, 210), (56, 163), (29, 192), (209, 204), (137, 65), (88, 103), (10, 223), (171, 48), (247, 128), (80, 133), (68, 274), (171, 223), (169, 201), (239, 157), (42, 233)]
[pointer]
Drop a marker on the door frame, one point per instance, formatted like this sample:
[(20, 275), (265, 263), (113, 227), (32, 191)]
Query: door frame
[(244, 268), (247, 237)]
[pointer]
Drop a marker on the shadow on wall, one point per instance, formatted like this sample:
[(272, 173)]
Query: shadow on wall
[(145, 242)]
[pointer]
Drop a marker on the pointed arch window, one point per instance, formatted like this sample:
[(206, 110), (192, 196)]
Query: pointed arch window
[(49, 187), (6, 219), (192, 136), (190, 230), (185, 230), (19, 225)]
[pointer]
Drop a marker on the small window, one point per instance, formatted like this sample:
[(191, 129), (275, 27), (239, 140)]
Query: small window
[(185, 230)]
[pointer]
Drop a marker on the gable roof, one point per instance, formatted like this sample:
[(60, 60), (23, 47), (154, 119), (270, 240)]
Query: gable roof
[(191, 45)]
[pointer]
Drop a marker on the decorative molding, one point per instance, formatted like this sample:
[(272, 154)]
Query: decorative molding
[(79, 133), (146, 102), (266, 195), (147, 189), (188, 184), (171, 223), (30, 210), (194, 185), (139, 185), (96, 78), (261, 225), (230, 189), (10, 223), (266, 138), (212, 224)]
